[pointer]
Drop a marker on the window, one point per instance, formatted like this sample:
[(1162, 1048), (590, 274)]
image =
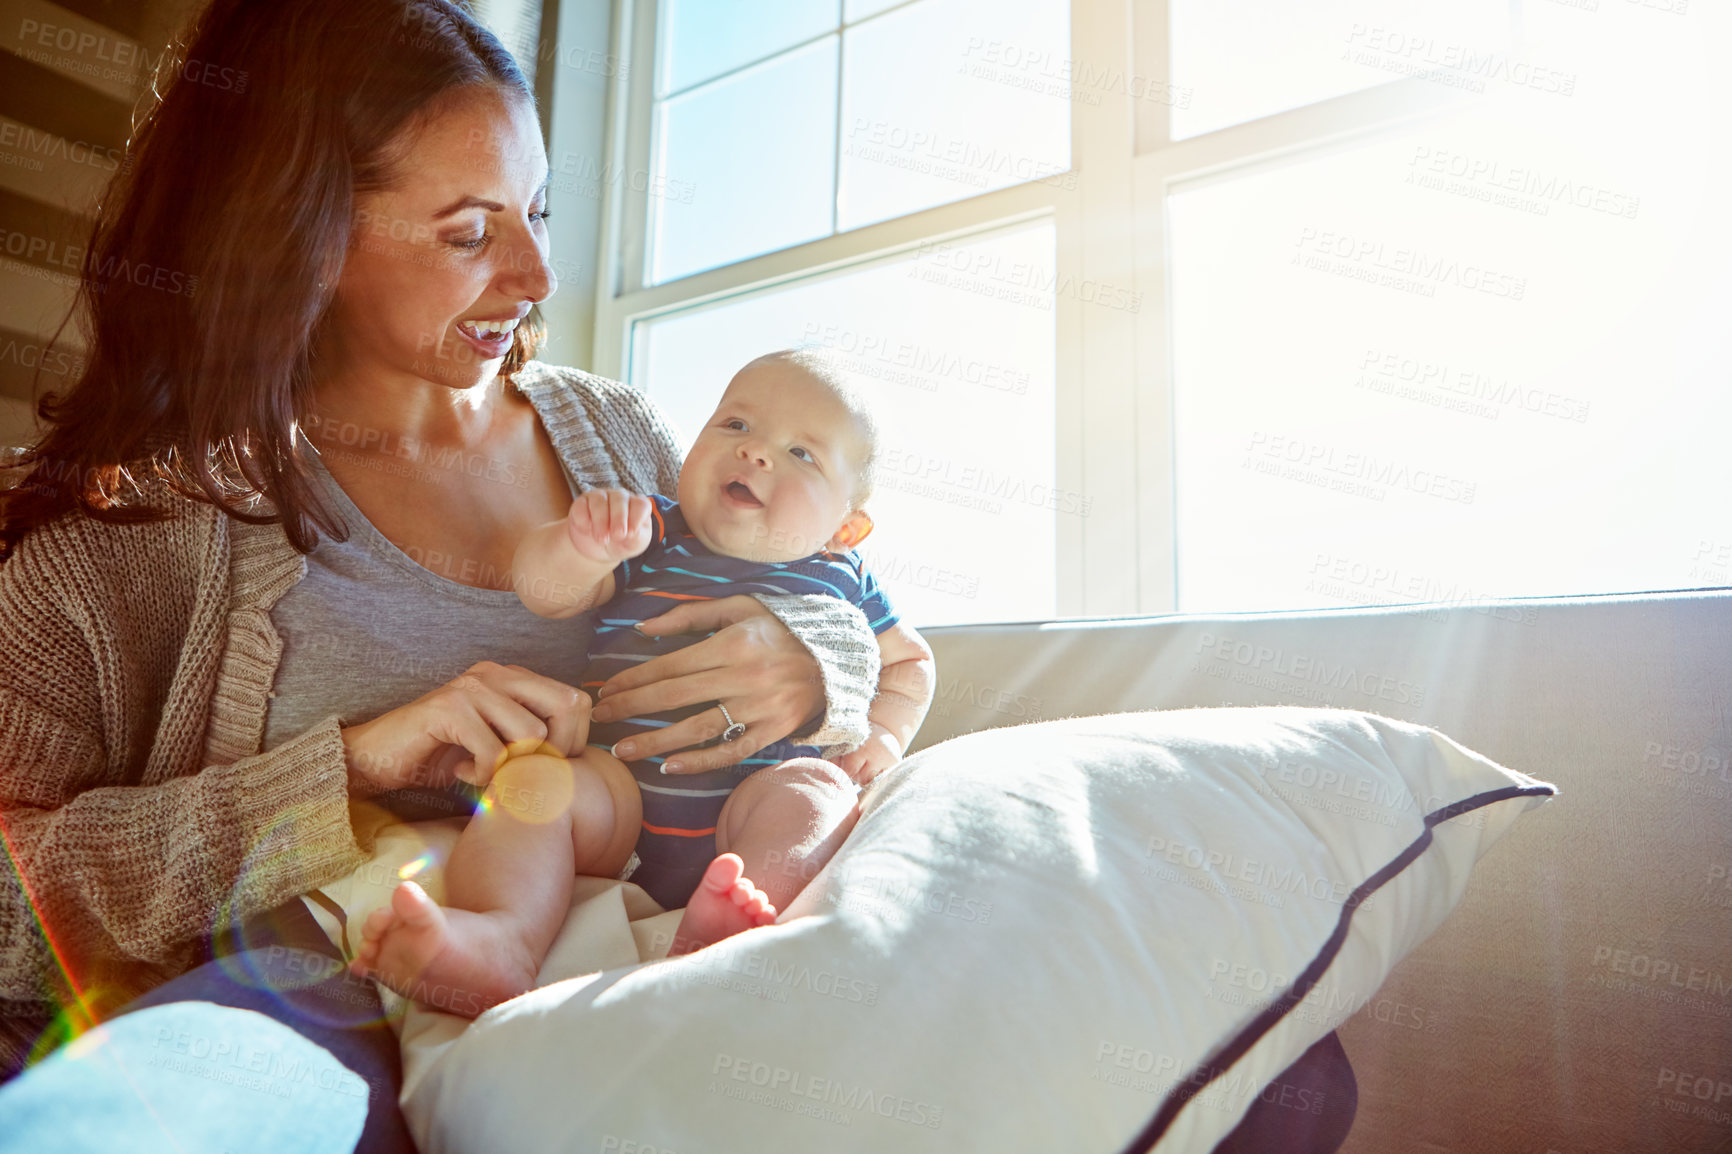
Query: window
[(780, 121), (1350, 303), (1247, 59), (1482, 338)]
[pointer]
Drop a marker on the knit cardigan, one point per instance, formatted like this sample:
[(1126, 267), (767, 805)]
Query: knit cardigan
[(137, 813)]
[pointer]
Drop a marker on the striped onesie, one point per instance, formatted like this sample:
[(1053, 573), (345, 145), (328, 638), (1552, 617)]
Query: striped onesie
[(678, 838)]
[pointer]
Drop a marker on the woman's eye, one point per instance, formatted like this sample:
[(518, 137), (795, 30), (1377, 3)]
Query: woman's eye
[(542, 215), (472, 244)]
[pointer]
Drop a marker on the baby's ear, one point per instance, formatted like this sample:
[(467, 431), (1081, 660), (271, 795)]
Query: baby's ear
[(853, 531)]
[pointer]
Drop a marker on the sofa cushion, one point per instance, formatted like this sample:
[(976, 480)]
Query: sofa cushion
[(1579, 999), (1060, 936)]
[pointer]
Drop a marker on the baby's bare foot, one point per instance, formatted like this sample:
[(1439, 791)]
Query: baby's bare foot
[(451, 960), (724, 903)]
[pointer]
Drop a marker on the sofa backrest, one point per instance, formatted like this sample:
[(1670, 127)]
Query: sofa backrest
[(1580, 997)]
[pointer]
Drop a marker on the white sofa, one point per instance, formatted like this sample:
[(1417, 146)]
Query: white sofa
[(1580, 997)]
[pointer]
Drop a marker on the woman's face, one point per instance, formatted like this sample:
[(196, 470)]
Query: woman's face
[(443, 265)]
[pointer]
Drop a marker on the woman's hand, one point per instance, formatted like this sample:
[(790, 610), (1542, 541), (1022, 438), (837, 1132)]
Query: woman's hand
[(768, 680), (460, 729)]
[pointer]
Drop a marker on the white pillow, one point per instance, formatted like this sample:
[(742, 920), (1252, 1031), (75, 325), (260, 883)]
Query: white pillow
[(1049, 937)]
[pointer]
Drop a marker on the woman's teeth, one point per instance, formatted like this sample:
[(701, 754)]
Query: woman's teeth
[(488, 330)]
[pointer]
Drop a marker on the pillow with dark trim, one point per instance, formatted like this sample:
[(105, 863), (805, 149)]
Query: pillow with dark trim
[(1099, 934)]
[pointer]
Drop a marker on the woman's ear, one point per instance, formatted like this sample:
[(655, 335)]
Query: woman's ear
[(853, 531)]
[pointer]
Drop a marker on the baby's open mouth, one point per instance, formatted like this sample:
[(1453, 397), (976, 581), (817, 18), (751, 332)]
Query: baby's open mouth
[(740, 493)]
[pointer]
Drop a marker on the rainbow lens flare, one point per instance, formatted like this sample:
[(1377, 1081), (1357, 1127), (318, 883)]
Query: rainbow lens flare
[(82, 1007)]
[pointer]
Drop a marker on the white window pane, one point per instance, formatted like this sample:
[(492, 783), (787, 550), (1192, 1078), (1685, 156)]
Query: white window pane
[(1237, 60), (745, 165), (1483, 357), (860, 9), (962, 386), (701, 39), (947, 99)]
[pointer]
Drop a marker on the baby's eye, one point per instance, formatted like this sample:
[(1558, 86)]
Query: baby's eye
[(800, 454), (735, 424)]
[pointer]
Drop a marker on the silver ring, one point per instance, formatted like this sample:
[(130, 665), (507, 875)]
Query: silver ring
[(735, 730)]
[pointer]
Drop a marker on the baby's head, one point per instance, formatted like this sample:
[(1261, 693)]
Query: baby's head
[(783, 467)]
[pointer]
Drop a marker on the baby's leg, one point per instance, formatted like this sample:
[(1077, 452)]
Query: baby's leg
[(784, 822), (508, 883)]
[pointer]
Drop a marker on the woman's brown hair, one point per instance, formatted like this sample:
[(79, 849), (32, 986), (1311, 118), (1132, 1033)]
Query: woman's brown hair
[(217, 248)]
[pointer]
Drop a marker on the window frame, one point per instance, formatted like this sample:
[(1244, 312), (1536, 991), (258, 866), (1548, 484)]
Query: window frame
[(1114, 416)]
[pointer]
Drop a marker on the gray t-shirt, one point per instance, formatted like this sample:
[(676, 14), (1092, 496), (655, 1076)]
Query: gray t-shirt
[(369, 629)]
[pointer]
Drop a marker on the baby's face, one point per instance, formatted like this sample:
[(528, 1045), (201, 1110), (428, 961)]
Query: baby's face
[(773, 473)]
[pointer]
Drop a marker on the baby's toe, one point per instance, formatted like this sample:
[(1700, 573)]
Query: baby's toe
[(376, 925), (761, 910), (753, 903), (411, 903), (726, 872)]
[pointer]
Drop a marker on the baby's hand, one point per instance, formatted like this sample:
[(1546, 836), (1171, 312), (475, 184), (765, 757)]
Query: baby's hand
[(880, 752), (609, 525)]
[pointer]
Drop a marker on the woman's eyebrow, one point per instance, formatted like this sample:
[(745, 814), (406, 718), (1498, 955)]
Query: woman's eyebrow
[(490, 205), (468, 202)]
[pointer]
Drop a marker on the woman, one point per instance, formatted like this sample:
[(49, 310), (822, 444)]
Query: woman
[(258, 567)]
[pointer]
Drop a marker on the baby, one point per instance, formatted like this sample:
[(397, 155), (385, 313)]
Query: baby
[(771, 500)]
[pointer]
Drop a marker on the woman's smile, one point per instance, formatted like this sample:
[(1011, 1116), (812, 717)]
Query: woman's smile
[(492, 338)]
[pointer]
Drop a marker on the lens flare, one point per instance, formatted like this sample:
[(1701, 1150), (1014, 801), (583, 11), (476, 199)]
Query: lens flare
[(81, 1008), (536, 789), (276, 955)]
